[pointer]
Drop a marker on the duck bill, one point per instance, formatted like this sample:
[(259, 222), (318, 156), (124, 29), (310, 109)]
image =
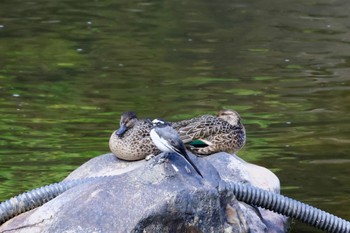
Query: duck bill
[(121, 130)]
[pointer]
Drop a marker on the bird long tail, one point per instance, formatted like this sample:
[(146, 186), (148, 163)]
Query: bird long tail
[(187, 158)]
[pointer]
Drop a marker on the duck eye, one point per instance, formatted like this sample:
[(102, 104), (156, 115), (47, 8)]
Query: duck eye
[(128, 123)]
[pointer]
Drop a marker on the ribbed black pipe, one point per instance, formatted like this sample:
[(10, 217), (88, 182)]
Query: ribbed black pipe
[(246, 193), (288, 207), (36, 197)]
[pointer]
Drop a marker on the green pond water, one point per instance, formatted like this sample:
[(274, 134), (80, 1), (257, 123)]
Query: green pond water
[(68, 69)]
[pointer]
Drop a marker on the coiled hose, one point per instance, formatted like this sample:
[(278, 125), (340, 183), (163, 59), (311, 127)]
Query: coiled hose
[(36, 197), (287, 206), (246, 193)]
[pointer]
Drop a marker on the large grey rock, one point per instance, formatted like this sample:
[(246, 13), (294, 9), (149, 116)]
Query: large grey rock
[(155, 196)]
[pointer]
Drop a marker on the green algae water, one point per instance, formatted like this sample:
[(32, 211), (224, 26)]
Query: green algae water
[(68, 69)]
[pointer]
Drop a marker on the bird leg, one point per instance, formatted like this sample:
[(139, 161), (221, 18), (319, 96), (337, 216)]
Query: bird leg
[(150, 156), (188, 170), (163, 158)]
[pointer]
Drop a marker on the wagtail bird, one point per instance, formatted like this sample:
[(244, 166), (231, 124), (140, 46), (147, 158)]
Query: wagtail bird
[(168, 140)]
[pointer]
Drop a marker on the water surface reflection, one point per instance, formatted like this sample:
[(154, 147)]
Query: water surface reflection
[(69, 68)]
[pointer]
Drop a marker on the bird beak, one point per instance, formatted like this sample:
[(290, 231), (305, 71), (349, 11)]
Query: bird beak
[(121, 130)]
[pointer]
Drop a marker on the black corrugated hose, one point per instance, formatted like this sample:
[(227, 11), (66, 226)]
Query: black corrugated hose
[(36, 197), (246, 193), (287, 206)]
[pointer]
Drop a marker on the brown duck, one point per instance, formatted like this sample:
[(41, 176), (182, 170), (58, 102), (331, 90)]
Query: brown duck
[(203, 135)]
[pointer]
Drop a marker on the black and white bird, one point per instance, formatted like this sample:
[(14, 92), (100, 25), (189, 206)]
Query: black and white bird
[(168, 140)]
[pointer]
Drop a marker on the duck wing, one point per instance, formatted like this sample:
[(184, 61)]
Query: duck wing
[(201, 128)]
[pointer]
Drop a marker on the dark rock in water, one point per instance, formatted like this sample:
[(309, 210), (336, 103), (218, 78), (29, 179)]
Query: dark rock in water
[(159, 195)]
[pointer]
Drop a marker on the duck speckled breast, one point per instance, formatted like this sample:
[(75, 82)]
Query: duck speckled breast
[(135, 144)]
